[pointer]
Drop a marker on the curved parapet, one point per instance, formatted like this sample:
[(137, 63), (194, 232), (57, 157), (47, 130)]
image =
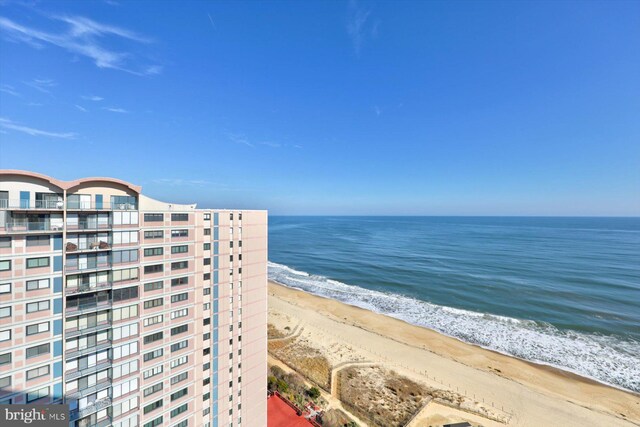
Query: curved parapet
[(95, 181), (67, 185), (34, 177)]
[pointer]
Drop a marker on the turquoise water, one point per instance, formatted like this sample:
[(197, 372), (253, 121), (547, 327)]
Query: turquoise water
[(559, 291)]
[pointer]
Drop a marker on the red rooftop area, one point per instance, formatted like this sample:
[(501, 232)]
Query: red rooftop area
[(280, 414)]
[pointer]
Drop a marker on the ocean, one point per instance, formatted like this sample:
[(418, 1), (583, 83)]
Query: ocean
[(558, 291)]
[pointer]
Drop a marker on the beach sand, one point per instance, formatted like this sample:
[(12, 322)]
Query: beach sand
[(517, 392)]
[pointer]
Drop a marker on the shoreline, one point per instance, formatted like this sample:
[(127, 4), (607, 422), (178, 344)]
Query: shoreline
[(588, 399), (543, 365)]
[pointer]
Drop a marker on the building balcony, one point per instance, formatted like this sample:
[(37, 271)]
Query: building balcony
[(47, 205), (26, 227), (88, 306), (85, 330), (87, 267), (88, 226), (96, 406), (79, 394), (88, 246), (86, 288), (104, 206), (102, 345), (77, 373)]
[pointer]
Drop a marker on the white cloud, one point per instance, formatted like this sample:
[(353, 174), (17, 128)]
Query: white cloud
[(117, 110), (92, 98), (83, 38), (81, 108), (356, 24), (239, 139), (8, 124), (43, 85), (377, 110), (9, 89), (271, 144)]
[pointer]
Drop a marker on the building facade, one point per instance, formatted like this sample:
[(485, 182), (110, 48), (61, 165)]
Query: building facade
[(133, 311)]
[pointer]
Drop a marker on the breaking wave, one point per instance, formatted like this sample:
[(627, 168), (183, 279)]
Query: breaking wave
[(613, 361)]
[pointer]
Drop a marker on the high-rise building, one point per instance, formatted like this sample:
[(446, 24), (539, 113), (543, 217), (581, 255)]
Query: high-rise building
[(133, 311)]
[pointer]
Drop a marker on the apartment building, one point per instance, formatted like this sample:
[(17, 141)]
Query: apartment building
[(133, 311)]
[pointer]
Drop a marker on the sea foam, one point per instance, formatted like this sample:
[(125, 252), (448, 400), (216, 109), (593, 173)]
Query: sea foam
[(607, 359)]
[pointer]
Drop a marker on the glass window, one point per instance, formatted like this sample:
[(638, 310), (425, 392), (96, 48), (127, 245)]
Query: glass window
[(179, 217), (156, 268), (180, 377), (124, 202), (157, 302), (179, 346), (33, 285), (38, 350), (154, 234), (153, 389), (124, 294), (5, 359), (179, 297), (180, 281), (153, 286), (5, 242), (5, 335), (179, 265), (153, 251), (38, 306), (38, 240), (154, 423), (5, 265), (38, 328), (153, 320), (180, 409), (152, 406), (179, 330), (37, 372), (5, 288), (179, 233), (153, 355), (153, 217), (153, 337), (5, 382), (37, 394), (179, 249), (178, 394), (38, 262)]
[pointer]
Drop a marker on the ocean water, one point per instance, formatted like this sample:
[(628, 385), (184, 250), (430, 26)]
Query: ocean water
[(558, 291)]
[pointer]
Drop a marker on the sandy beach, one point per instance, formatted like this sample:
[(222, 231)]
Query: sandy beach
[(492, 389)]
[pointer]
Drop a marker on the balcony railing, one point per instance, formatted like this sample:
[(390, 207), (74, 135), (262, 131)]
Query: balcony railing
[(90, 245), (102, 345), (32, 204), (86, 287), (97, 206), (79, 394), (85, 330), (88, 225), (88, 306), (23, 226), (96, 406), (77, 373), (90, 265)]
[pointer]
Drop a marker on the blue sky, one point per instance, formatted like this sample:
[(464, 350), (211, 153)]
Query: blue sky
[(435, 108)]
